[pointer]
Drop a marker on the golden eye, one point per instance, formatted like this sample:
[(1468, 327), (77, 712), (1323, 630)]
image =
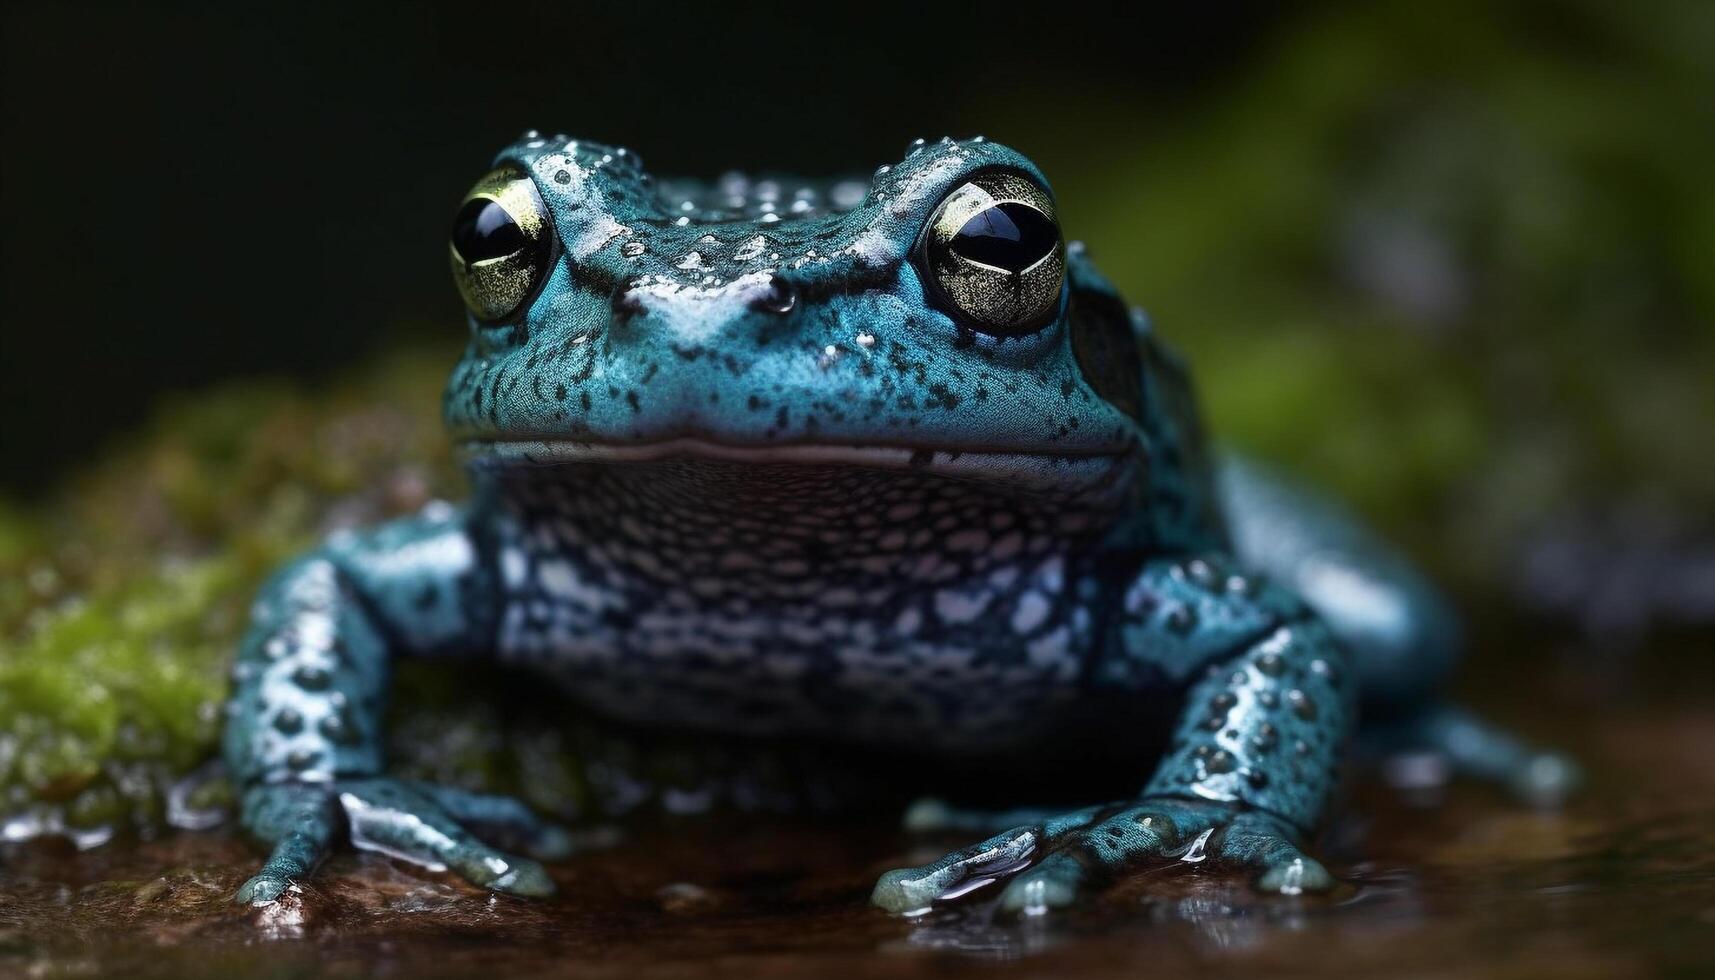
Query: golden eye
[(500, 244), (992, 250)]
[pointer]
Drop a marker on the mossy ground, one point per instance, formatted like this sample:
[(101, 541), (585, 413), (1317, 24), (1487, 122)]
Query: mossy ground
[(122, 600)]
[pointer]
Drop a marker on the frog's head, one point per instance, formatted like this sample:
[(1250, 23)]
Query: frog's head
[(932, 318)]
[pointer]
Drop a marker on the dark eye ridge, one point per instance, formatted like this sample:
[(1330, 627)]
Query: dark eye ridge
[(484, 230), (1009, 235)]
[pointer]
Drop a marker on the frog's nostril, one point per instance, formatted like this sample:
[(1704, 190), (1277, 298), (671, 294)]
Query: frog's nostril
[(780, 296)]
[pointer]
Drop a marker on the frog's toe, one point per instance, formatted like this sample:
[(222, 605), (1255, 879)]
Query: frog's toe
[(1264, 842), (961, 872), (525, 878), (298, 820), (1546, 779), (1295, 876), (504, 820), (903, 890), (262, 889), (1052, 863), (1472, 746), (397, 819), (1051, 884)]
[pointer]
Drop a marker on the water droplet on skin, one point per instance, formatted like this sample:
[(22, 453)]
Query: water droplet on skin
[(1265, 738), (1198, 851), (312, 678), (1201, 572), (632, 250), (780, 297), (1325, 670), (846, 194)]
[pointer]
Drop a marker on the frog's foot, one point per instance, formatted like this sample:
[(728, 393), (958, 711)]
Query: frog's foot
[(1047, 864), (1466, 745), (415, 821)]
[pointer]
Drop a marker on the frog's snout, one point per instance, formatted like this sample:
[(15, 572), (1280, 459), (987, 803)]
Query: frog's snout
[(683, 312)]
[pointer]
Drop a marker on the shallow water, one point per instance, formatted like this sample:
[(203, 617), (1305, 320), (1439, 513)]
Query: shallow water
[(1621, 883)]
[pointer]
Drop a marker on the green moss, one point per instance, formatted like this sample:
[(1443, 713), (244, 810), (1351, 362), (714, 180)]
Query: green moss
[(125, 597)]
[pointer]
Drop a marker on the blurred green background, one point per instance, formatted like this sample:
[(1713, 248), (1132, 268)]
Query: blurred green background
[(1455, 262)]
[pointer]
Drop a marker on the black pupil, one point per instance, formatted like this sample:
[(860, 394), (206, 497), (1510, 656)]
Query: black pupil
[(1010, 236), (483, 230)]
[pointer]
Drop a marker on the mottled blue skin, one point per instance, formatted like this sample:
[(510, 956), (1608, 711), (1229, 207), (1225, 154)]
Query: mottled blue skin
[(745, 474)]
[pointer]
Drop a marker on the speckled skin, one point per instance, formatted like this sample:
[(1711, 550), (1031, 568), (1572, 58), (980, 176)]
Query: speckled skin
[(738, 470)]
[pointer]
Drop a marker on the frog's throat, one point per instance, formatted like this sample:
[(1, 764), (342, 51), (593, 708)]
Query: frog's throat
[(1023, 470)]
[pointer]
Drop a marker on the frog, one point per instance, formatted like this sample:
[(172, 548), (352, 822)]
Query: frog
[(886, 464)]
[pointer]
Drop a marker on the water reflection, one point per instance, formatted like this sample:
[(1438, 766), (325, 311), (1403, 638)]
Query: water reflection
[(978, 929), (1212, 914)]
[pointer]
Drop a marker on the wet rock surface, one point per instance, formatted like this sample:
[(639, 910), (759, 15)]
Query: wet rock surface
[(1620, 884)]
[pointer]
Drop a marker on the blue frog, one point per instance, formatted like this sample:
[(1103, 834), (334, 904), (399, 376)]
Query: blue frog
[(885, 464)]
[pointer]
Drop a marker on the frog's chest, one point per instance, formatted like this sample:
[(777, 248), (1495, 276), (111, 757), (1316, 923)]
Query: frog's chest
[(973, 633)]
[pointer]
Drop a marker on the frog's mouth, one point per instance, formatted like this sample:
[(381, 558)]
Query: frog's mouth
[(1023, 470)]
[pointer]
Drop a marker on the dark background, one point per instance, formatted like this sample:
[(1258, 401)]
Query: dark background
[(1454, 261)]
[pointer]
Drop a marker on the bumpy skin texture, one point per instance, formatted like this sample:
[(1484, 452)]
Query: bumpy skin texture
[(740, 469)]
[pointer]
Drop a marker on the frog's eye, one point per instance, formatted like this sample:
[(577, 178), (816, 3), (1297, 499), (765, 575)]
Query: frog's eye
[(992, 251), (500, 244)]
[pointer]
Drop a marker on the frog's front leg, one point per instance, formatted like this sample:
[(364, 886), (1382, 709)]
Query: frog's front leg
[(304, 735), (1266, 714)]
